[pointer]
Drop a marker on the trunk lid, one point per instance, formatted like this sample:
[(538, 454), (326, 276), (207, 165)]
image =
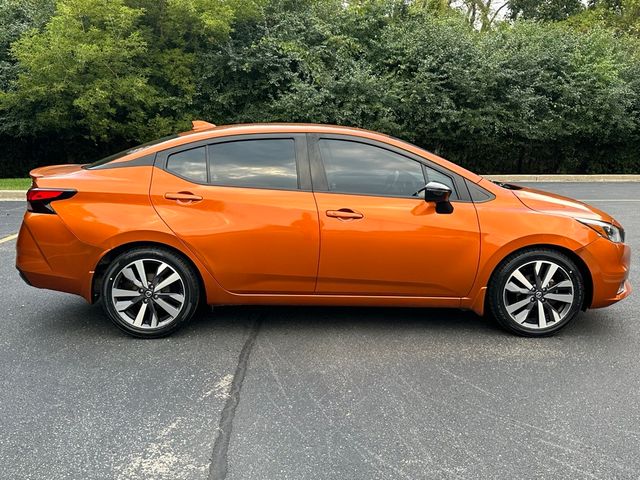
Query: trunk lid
[(53, 171)]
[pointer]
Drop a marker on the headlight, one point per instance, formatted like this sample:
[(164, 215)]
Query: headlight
[(607, 230)]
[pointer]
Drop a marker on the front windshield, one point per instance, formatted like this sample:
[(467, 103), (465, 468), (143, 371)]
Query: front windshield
[(129, 151)]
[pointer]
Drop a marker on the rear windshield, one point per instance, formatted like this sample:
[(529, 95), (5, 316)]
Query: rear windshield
[(508, 186), (129, 151)]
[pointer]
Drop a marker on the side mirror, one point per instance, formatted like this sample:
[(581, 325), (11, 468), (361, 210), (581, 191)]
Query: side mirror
[(439, 193), (436, 192)]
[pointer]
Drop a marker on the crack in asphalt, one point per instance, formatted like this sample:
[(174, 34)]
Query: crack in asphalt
[(219, 464)]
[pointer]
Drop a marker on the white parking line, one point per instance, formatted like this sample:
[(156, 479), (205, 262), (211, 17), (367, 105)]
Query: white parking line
[(9, 238)]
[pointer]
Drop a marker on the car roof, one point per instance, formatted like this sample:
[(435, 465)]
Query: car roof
[(275, 127)]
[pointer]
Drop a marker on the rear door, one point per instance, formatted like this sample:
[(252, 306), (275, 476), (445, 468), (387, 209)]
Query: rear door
[(244, 206), (377, 237)]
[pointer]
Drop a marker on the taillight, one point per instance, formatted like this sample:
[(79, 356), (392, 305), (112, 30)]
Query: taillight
[(39, 199)]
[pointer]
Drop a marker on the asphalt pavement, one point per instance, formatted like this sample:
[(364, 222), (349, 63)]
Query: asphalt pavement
[(318, 393)]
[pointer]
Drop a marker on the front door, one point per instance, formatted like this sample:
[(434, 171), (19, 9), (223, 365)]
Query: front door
[(377, 237)]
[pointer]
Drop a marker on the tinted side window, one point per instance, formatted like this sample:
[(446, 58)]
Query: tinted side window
[(435, 176), (353, 167), (191, 164), (254, 163)]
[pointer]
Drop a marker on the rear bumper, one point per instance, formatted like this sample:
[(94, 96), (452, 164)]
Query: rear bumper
[(49, 256), (609, 265)]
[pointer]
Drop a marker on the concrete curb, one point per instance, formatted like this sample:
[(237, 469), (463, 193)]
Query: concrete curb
[(13, 195), (19, 195), (564, 178)]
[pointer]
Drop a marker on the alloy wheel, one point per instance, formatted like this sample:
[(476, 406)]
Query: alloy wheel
[(148, 294), (539, 294)]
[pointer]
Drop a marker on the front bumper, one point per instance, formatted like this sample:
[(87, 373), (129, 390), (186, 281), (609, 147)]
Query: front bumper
[(609, 265)]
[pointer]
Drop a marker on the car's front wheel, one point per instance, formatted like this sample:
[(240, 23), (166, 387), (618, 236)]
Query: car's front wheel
[(150, 292), (536, 292)]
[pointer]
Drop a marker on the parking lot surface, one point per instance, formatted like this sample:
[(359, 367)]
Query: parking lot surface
[(318, 393)]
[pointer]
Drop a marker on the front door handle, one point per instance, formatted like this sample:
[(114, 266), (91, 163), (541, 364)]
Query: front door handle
[(344, 214), (183, 197)]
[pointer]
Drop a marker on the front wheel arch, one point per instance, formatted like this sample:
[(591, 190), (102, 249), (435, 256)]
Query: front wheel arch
[(580, 263)]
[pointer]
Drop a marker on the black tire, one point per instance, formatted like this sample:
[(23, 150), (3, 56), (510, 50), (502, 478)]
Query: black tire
[(506, 302), (167, 307)]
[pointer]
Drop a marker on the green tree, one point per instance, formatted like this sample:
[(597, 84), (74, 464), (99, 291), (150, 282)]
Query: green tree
[(304, 61), (548, 95), (178, 33), (115, 71), (17, 17), (82, 71), (621, 16), (544, 10)]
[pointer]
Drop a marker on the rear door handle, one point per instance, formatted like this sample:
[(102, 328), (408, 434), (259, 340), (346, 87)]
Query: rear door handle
[(344, 214), (182, 197)]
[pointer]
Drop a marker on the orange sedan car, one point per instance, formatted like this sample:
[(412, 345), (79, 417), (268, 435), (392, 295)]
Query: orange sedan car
[(311, 215)]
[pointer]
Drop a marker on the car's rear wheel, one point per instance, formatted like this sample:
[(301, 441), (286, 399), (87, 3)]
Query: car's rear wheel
[(536, 292), (150, 292)]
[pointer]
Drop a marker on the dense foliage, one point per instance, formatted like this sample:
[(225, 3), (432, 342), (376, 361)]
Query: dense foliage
[(552, 87)]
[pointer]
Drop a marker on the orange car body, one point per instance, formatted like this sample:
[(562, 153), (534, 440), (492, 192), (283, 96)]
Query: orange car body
[(261, 246)]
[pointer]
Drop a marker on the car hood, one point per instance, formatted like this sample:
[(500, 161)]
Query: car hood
[(558, 205)]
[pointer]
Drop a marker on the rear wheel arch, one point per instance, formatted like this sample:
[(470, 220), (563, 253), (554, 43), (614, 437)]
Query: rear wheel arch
[(104, 262)]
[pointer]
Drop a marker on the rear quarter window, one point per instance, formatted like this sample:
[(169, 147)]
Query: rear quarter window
[(190, 164)]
